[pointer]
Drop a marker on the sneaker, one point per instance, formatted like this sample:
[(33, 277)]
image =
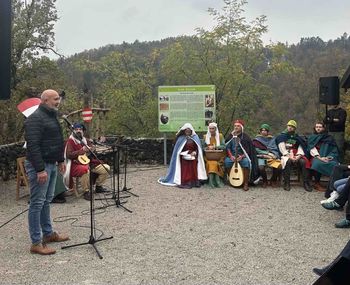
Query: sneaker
[(331, 205), (342, 224), (55, 237), (334, 196), (86, 195), (42, 249)]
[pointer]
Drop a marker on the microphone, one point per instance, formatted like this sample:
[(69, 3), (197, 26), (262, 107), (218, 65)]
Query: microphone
[(64, 117)]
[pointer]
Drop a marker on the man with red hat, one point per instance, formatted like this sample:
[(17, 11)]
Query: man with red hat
[(244, 152)]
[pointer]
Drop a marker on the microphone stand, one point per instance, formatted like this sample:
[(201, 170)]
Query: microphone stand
[(125, 189), (116, 170), (92, 239)]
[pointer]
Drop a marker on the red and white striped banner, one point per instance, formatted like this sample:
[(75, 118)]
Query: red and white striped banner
[(28, 106), (87, 114)]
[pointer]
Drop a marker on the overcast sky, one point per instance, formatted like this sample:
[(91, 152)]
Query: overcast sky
[(87, 24)]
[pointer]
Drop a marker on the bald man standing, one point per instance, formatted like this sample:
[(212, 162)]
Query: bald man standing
[(45, 148)]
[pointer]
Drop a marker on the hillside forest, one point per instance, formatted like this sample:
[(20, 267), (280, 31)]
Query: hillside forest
[(256, 82)]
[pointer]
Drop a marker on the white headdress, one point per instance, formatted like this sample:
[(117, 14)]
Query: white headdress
[(217, 136), (187, 126)]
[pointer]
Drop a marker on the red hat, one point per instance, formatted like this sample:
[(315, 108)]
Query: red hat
[(240, 122)]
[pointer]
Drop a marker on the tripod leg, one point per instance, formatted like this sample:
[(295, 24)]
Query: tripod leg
[(125, 189)]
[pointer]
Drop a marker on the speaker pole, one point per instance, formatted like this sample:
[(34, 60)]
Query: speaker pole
[(5, 49), (327, 123)]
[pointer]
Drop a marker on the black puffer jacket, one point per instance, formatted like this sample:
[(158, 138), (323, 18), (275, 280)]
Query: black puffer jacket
[(44, 138)]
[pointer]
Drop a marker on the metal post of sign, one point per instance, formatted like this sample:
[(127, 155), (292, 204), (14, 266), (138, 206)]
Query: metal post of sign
[(165, 157)]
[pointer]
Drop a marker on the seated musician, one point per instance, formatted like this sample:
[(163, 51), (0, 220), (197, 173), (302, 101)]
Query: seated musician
[(268, 155), (214, 140), (293, 150), (324, 154), (78, 163), (186, 169), (240, 147)]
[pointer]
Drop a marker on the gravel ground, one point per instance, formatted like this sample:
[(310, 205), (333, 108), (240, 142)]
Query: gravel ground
[(177, 236)]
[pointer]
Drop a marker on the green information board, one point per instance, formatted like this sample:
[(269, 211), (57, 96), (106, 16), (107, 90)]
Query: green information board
[(178, 105)]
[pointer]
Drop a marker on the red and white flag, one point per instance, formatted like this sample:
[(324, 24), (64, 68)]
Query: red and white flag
[(87, 114), (28, 106)]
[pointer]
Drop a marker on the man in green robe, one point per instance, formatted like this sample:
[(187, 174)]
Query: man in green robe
[(324, 152)]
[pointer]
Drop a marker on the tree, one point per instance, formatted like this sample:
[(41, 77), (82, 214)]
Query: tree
[(229, 56), (32, 37), (32, 33)]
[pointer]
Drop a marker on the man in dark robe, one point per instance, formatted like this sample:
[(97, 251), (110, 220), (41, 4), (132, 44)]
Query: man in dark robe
[(246, 154)]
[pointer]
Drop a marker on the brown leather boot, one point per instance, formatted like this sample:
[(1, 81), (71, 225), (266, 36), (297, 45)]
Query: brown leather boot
[(55, 237), (245, 179), (42, 249), (318, 187)]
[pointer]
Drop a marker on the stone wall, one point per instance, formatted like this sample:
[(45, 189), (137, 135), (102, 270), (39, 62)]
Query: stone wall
[(144, 150), (8, 159), (147, 151)]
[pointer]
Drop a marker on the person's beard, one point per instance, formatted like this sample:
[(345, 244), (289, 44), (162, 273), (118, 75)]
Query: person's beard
[(78, 135)]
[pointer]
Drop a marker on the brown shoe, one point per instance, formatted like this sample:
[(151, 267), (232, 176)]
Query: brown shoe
[(245, 187), (319, 188), (55, 237), (42, 249)]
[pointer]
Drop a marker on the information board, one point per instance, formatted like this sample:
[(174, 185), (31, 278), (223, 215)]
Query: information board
[(178, 105)]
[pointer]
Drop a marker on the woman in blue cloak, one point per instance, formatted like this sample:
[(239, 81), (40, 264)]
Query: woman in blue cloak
[(187, 167)]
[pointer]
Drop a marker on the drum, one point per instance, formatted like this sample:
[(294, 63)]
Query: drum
[(216, 154)]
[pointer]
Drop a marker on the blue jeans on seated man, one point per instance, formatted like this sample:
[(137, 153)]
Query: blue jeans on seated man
[(339, 185), (39, 219)]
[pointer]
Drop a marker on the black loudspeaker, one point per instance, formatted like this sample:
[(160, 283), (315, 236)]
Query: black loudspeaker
[(329, 90), (5, 49), (338, 274)]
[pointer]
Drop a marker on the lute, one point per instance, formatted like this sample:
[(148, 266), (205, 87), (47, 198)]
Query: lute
[(83, 159), (236, 173)]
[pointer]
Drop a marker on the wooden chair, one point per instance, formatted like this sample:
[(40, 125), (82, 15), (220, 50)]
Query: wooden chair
[(22, 179)]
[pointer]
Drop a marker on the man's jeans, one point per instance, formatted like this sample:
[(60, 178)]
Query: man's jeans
[(40, 197), (339, 185)]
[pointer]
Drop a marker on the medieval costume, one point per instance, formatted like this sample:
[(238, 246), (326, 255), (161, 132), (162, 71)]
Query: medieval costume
[(187, 166), (325, 146), (293, 150), (76, 147), (324, 152), (214, 168), (268, 155), (245, 153)]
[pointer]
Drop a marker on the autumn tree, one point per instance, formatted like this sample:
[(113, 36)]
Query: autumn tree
[(32, 38)]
